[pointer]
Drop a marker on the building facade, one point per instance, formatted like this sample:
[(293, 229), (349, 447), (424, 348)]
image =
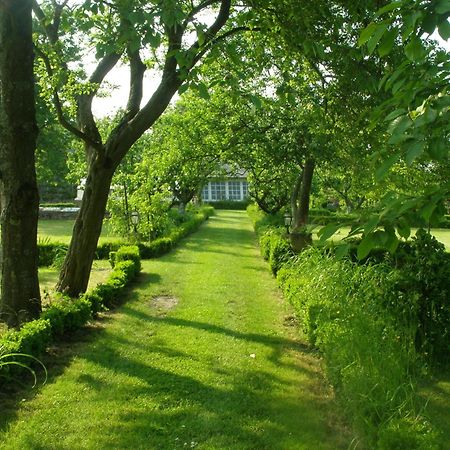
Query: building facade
[(233, 189)]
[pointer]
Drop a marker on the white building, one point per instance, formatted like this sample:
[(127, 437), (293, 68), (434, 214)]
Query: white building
[(233, 187)]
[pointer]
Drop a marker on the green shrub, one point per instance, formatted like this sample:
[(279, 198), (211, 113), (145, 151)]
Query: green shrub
[(105, 248), (369, 353), (129, 253), (66, 314), (230, 204), (424, 294), (95, 301), (155, 248), (49, 251), (32, 338), (275, 248), (262, 221), (162, 245)]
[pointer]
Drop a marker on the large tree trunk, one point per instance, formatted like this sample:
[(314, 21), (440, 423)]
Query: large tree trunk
[(19, 198), (299, 237), (74, 276)]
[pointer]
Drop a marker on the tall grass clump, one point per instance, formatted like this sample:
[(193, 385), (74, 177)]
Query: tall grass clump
[(370, 354)]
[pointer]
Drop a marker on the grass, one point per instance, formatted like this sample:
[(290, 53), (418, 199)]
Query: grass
[(61, 231), (203, 355), (436, 394), (48, 276)]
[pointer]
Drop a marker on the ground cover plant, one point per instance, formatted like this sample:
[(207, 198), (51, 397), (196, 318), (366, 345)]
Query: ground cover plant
[(203, 355), (379, 326)]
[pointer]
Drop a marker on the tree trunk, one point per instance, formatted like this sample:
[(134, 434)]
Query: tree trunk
[(299, 238), (20, 297), (74, 276)]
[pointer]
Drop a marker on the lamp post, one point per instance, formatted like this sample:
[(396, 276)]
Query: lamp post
[(135, 221), (287, 221)]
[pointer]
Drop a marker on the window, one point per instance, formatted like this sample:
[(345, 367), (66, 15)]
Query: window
[(234, 190), (205, 192), (245, 189), (218, 190)]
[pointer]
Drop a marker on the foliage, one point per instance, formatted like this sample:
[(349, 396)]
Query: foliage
[(48, 252), (230, 205), (127, 253), (424, 295), (378, 325), (410, 433), (66, 315), (9, 361), (370, 356), (275, 248)]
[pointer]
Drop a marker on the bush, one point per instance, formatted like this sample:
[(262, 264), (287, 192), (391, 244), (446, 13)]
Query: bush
[(66, 314), (230, 204), (275, 248), (369, 350), (105, 248), (163, 245), (424, 294), (262, 221), (128, 253), (32, 339), (48, 252)]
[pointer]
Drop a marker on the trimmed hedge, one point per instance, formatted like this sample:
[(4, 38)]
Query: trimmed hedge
[(49, 251), (65, 315), (164, 244), (230, 204)]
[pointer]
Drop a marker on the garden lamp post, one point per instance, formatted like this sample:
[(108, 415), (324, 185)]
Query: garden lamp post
[(287, 221), (135, 221)]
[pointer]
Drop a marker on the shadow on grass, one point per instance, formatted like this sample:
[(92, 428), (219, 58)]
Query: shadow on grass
[(239, 414), (15, 391), (278, 345)]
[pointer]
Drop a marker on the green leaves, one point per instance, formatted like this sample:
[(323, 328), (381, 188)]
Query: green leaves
[(444, 29), (327, 231), (415, 150), (414, 50)]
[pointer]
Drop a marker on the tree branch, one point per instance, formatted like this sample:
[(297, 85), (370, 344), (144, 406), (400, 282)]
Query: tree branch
[(58, 107)]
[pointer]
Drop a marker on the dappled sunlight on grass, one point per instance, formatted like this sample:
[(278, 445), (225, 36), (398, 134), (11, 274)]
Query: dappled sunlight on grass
[(61, 231), (48, 276)]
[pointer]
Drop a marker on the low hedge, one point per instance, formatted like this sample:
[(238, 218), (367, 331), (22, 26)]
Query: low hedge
[(230, 204), (164, 244), (50, 251), (65, 315)]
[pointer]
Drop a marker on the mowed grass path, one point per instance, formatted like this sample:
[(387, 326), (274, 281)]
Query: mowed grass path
[(203, 355)]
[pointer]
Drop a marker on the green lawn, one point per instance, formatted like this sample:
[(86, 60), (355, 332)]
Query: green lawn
[(436, 395), (205, 354), (61, 231), (48, 276)]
